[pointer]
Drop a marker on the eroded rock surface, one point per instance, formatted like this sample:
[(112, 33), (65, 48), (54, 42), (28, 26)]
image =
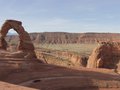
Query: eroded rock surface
[(106, 55), (25, 47), (73, 59)]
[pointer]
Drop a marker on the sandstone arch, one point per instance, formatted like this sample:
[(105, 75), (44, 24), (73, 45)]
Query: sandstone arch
[(25, 46)]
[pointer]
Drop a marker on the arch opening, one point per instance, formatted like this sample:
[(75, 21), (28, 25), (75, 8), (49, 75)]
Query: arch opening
[(12, 40)]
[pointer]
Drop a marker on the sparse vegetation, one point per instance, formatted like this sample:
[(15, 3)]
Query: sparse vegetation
[(82, 49)]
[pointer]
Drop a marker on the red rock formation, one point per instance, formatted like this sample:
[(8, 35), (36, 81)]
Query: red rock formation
[(25, 47), (73, 58), (106, 55)]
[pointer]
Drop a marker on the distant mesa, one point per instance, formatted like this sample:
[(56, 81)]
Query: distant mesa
[(25, 47), (67, 38), (72, 38)]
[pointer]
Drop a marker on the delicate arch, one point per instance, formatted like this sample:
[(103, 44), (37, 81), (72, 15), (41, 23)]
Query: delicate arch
[(25, 43)]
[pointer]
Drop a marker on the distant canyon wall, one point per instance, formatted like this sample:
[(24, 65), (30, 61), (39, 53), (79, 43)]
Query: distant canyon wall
[(65, 38)]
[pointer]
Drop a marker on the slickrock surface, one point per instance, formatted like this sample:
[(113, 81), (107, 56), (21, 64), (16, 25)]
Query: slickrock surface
[(33, 73)]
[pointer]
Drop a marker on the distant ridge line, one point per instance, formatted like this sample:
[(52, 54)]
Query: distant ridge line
[(67, 38)]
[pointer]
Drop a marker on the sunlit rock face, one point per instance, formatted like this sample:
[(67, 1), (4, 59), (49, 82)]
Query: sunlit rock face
[(106, 55)]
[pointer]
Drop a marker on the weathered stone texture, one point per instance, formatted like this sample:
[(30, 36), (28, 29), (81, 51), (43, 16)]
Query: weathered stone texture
[(106, 55)]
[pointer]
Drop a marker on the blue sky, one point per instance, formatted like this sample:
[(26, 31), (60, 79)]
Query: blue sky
[(63, 15)]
